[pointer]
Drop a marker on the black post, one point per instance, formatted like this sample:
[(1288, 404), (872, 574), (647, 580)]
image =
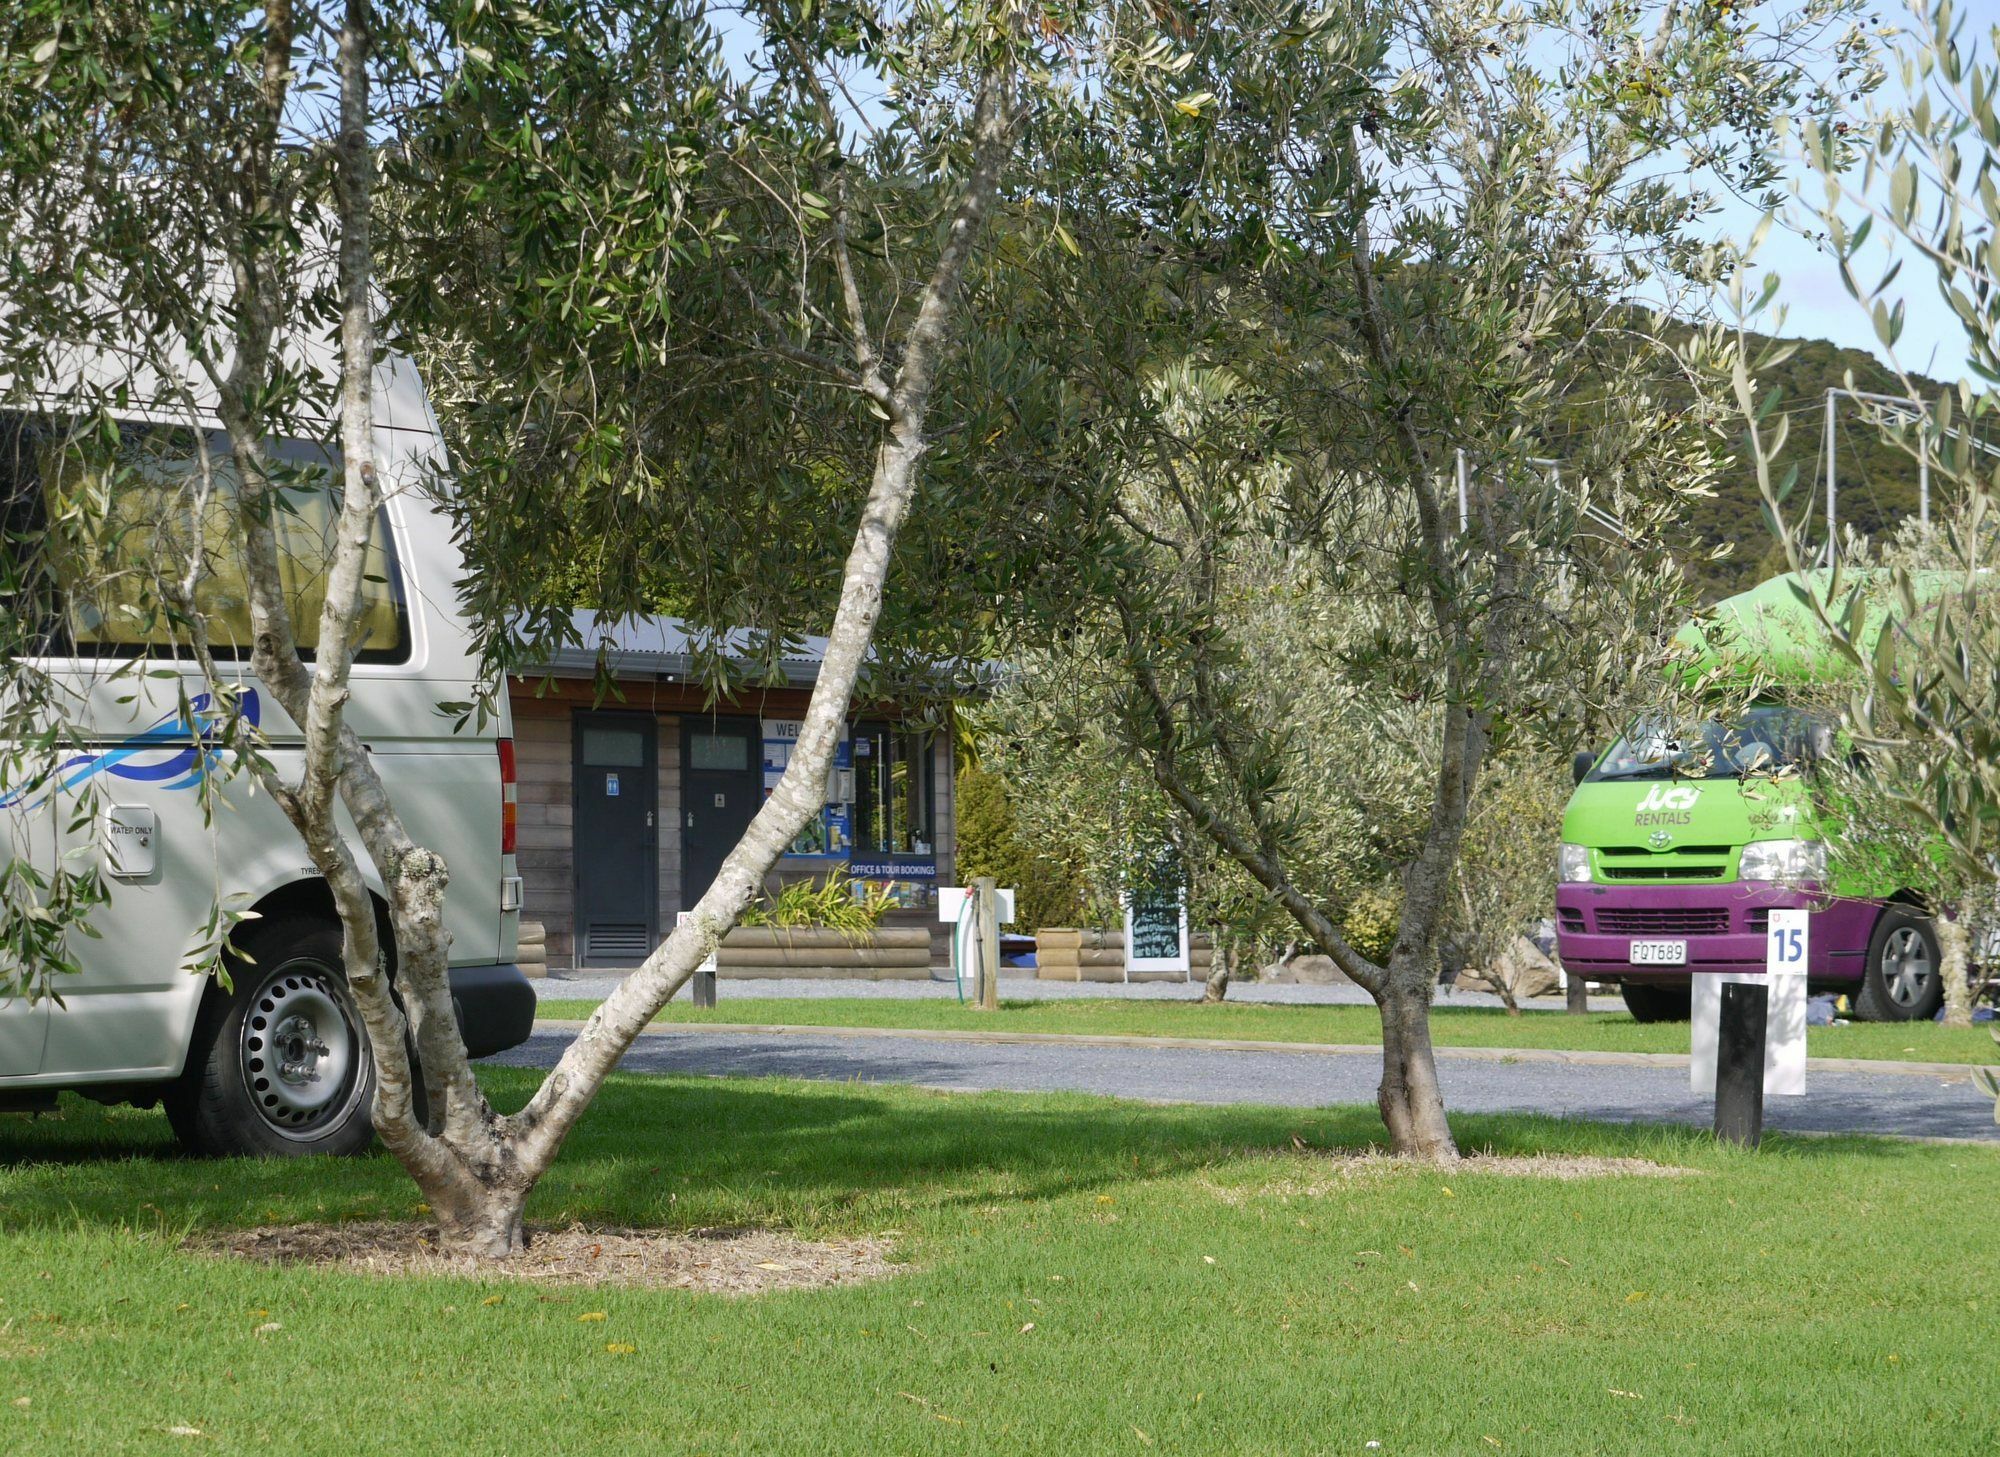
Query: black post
[(704, 988), (1739, 1063)]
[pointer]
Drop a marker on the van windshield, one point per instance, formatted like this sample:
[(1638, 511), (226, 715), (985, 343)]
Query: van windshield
[(1766, 740)]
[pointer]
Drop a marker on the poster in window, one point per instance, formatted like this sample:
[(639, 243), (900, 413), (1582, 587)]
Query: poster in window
[(831, 832)]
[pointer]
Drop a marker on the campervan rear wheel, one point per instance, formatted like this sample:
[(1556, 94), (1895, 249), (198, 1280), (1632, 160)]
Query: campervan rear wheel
[(282, 1066), (1903, 981), (1657, 1004)]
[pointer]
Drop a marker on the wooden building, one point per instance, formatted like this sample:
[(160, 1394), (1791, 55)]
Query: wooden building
[(629, 803)]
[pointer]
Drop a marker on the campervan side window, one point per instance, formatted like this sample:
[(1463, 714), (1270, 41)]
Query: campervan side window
[(128, 517)]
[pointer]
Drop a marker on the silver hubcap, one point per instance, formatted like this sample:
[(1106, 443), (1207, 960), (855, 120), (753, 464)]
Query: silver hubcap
[(300, 1051), (1906, 966)]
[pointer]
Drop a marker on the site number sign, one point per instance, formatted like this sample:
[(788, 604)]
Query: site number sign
[(1785, 944)]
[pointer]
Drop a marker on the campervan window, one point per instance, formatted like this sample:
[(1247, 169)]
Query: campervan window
[(126, 517)]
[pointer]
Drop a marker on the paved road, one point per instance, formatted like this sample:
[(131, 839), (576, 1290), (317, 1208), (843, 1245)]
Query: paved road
[(1896, 1103)]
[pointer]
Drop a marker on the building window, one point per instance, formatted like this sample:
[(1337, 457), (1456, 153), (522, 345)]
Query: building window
[(893, 785), (727, 750)]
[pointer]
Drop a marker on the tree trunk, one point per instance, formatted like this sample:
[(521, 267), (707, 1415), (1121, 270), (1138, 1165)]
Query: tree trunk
[(1411, 1103), (1216, 987), (1955, 945), (481, 1205), (1576, 994), (474, 1167)]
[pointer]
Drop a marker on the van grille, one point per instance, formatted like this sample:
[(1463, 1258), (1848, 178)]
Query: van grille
[(617, 943), (1677, 862), (1662, 920)]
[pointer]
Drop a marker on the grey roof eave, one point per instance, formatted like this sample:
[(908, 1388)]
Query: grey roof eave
[(662, 648)]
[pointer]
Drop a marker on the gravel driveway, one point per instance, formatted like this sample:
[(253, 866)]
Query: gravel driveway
[(1906, 1103)]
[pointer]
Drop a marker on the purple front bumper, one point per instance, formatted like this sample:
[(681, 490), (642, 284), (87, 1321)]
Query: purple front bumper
[(1724, 927)]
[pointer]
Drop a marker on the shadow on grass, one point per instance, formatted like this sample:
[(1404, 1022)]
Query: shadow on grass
[(688, 1152)]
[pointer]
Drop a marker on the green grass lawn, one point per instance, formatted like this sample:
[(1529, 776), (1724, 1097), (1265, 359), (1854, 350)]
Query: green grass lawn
[(1450, 1026), (1194, 1283)]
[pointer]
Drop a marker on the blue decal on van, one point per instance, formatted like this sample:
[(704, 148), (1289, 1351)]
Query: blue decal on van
[(184, 764)]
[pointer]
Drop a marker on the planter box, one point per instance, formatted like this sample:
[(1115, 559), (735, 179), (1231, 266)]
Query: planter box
[(531, 951), (788, 937), (773, 951), (843, 955), (1065, 953)]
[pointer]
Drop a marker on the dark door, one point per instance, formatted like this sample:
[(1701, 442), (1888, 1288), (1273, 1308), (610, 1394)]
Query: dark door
[(614, 842), (722, 783)]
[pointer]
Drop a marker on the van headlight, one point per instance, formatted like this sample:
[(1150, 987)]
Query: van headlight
[(1573, 863), (1783, 860)]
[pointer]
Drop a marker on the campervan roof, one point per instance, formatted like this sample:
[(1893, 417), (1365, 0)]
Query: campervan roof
[(1771, 635)]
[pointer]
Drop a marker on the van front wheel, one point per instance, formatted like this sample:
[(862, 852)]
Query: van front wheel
[(1657, 1004), (282, 1066), (1904, 981)]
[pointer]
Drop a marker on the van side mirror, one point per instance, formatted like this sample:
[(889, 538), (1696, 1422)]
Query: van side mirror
[(1580, 766)]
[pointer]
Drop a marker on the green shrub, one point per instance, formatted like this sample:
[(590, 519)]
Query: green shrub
[(828, 905), (990, 843)]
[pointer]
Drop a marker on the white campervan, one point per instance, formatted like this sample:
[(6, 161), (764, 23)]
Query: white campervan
[(280, 1065)]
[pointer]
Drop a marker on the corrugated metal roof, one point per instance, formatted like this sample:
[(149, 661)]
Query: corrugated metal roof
[(655, 645)]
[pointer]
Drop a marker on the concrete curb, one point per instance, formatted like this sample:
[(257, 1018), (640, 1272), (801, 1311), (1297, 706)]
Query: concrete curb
[(1950, 1072)]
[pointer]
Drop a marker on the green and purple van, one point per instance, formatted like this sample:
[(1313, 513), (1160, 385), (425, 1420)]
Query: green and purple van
[(1680, 840)]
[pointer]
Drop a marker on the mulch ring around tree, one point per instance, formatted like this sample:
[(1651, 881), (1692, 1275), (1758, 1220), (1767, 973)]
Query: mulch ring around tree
[(717, 1261), (1318, 1172)]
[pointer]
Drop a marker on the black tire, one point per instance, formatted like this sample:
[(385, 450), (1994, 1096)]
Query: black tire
[(1902, 981), (1648, 1003), (281, 1067)]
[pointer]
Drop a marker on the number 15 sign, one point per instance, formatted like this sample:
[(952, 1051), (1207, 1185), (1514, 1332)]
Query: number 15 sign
[(1785, 946)]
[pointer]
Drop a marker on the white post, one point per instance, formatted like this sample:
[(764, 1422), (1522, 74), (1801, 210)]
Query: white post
[(1924, 473), (1830, 537), (1464, 498)]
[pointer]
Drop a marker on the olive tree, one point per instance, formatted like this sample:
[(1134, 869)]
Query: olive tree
[(196, 185), (1405, 232)]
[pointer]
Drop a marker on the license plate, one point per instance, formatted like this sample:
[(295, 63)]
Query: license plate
[(1659, 953)]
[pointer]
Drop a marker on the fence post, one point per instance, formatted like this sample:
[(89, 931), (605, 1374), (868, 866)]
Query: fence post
[(989, 944)]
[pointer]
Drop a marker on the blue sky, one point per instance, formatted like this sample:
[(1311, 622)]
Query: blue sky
[(1818, 306)]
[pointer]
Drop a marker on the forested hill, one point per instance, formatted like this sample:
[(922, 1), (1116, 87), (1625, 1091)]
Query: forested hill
[(1876, 481)]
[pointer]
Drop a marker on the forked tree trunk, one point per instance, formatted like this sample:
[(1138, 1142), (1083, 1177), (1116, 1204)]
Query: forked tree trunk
[(482, 1188), (475, 1168), (1412, 1105)]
